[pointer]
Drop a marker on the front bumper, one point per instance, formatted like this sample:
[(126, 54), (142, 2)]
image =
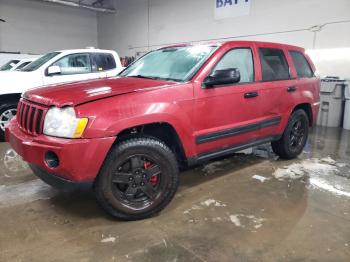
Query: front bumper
[(60, 183), (79, 159)]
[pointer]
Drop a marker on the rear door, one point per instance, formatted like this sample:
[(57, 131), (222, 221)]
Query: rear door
[(306, 84), (228, 115), (276, 83)]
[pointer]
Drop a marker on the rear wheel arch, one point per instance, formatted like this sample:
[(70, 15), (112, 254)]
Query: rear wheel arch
[(308, 110), (294, 137)]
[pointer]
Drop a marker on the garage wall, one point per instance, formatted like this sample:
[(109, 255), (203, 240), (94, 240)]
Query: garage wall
[(132, 30), (37, 27)]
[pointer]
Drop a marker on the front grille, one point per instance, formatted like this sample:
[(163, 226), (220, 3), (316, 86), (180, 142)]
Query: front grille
[(30, 117)]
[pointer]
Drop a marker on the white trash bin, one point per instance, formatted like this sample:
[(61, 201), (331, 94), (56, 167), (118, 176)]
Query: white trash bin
[(331, 102), (346, 123)]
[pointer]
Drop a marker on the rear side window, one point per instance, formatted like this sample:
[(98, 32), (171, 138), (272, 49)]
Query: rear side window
[(273, 64), (242, 59), (301, 65), (103, 62)]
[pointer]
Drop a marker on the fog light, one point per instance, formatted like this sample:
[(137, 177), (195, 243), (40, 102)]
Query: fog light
[(51, 159)]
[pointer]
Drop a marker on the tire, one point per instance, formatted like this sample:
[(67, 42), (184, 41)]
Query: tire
[(293, 140), (7, 111), (138, 179)]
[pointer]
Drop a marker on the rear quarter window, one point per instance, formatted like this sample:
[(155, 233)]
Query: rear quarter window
[(103, 62), (301, 65), (274, 64)]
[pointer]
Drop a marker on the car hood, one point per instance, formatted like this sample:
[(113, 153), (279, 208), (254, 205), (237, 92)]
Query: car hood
[(76, 93)]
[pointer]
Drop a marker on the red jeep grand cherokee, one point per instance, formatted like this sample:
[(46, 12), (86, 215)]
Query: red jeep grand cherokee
[(177, 106)]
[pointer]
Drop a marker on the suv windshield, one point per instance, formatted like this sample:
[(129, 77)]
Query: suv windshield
[(9, 65), (171, 63), (39, 62)]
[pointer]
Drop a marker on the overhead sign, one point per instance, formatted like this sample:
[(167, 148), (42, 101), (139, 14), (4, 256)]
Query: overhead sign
[(231, 8)]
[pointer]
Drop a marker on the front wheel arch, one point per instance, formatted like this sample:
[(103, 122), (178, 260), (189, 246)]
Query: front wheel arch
[(9, 97), (7, 112), (164, 132)]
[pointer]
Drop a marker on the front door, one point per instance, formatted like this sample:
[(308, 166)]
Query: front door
[(74, 67), (228, 115)]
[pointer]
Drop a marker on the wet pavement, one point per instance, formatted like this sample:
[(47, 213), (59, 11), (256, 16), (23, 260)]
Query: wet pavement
[(247, 207)]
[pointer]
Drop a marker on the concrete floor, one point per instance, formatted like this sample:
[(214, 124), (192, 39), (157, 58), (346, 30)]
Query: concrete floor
[(248, 207)]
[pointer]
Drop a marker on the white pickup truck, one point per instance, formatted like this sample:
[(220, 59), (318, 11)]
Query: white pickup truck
[(53, 68)]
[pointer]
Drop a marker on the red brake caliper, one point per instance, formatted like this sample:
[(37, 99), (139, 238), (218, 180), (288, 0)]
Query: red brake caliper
[(154, 179)]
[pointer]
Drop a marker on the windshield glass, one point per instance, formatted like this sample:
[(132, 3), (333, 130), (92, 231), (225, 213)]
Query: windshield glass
[(9, 65), (172, 63), (39, 62)]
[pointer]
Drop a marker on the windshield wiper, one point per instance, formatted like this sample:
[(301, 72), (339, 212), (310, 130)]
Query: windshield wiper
[(157, 78), (146, 77)]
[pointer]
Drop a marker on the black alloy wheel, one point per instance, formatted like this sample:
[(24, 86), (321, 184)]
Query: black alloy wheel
[(297, 134), (294, 138), (138, 179)]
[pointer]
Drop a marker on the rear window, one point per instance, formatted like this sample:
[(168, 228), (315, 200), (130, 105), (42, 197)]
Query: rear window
[(273, 64), (301, 65), (103, 62)]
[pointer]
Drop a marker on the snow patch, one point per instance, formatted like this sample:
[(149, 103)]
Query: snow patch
[(321, 173), (108, 240), (216, 219), (329, 160), (258, 226), (322, 184), (165, 244), (252, 221), (341, 165), (194, 207), (210, 202), (262, 179), (235, 220), (310, 167)]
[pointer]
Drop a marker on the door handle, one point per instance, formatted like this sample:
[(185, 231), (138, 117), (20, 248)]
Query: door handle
[(251, 94), (291, 89)]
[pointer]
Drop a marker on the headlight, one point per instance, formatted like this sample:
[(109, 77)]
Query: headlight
[(62, 122)]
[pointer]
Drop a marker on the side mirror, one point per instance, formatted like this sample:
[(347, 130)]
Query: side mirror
[(223, 77), (53, 70)]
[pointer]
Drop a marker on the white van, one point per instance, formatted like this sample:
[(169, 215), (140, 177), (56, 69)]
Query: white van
[(53, 68)]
